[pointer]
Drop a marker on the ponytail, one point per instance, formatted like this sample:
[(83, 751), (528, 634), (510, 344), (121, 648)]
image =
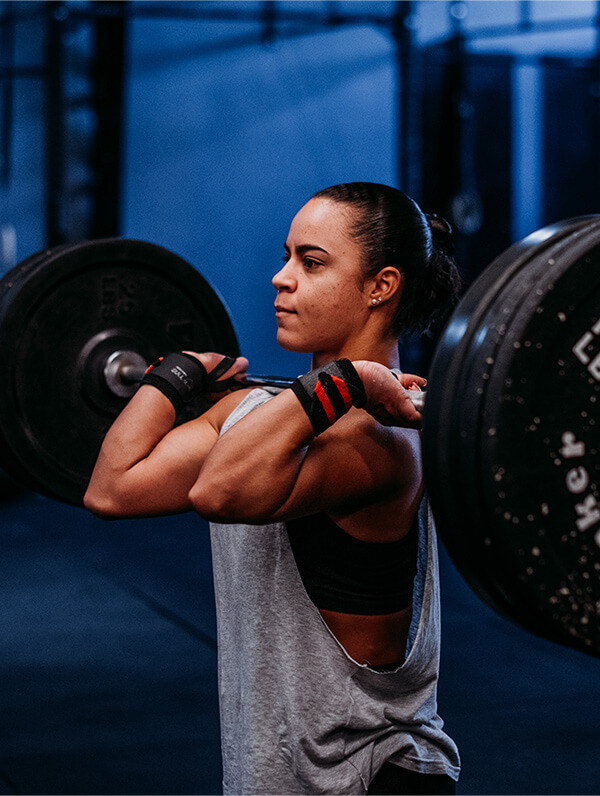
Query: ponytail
[(442, 284)]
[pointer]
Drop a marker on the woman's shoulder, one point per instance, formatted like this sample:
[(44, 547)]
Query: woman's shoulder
[(376, 469), (382, 448), (358, 421)]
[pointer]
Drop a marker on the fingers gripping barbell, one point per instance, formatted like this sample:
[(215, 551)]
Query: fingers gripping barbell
[(510, 432)]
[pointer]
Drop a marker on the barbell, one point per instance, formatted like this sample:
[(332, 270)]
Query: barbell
[(510, 435)]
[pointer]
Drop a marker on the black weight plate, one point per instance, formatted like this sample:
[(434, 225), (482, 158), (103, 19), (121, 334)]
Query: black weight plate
[(539, 454), (486, 331), (7, 283), (504, 342), (516, 296), (62, 312), (452, 412)]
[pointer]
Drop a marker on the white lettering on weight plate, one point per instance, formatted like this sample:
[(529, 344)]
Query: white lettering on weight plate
[(580, 350), (577, 480)]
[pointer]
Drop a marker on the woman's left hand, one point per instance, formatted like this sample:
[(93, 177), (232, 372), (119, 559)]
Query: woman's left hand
[(388, 400), (235, 372)]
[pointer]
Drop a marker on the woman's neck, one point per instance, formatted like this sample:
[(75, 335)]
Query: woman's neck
[(385, 352)]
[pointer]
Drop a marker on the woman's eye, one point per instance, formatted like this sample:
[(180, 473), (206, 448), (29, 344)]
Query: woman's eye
[(307, 262)]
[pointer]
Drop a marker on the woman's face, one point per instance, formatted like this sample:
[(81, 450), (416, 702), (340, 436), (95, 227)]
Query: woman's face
[(321, 305)]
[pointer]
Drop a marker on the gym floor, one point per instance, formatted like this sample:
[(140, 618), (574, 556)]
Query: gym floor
[(109, 683)]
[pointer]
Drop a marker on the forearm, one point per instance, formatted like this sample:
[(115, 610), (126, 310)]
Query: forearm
[(145, 421), (251, 471)]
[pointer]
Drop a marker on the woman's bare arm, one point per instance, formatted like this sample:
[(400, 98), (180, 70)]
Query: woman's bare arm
[(146, 466), (269, 465)]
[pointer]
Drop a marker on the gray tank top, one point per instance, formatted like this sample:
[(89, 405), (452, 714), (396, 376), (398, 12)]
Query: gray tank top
[(298, 714)]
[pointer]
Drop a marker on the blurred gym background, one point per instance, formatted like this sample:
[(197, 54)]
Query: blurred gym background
[(203, 127)]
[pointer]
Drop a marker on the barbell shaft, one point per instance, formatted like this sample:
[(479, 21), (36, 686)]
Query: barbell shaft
[(124, 370), (416, 396)]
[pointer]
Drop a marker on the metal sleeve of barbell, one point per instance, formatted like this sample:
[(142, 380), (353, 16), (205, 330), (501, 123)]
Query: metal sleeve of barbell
[(418, 399)]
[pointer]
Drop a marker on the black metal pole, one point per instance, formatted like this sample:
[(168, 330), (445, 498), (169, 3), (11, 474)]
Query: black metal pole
[(55, 129), (108, 80), (408, 90)]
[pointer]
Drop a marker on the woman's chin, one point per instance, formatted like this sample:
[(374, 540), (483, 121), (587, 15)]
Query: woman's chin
[(290, 344)]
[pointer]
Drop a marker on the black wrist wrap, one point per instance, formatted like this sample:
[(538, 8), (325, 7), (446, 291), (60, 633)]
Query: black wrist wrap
[(180, 377), (327, 393)]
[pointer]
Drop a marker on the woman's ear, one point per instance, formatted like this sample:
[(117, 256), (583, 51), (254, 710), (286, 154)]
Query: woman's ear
[(386, 284)]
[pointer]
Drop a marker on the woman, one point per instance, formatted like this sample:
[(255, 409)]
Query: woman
[(324, 558)]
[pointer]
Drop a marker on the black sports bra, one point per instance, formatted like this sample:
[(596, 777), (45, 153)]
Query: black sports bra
[(345, 574)]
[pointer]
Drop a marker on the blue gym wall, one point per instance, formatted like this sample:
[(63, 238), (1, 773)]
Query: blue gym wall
[(225, 141), (227, 135)]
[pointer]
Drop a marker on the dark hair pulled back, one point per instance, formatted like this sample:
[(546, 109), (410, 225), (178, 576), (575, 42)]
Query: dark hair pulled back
[(394, 231)]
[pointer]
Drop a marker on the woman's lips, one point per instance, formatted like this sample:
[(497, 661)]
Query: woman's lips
[(282, 311)]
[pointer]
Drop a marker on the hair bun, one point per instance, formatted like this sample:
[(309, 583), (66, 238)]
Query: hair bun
[(442, 235), (443, 278)]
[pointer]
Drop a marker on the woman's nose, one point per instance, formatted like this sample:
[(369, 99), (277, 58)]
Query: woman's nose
[(284, 278)]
